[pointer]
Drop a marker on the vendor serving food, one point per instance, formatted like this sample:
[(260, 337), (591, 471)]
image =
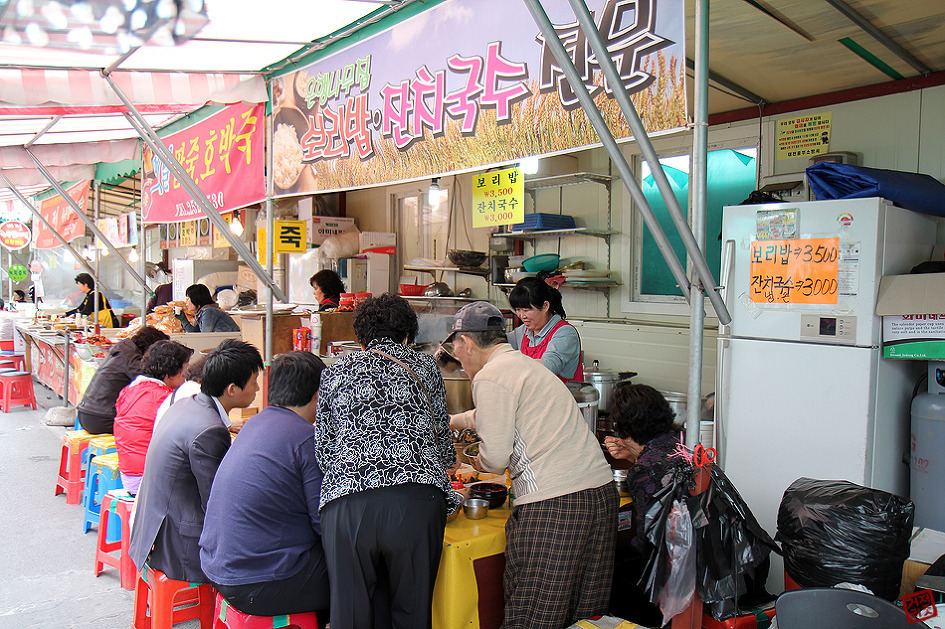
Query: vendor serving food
[(106, 318), (544, 334)]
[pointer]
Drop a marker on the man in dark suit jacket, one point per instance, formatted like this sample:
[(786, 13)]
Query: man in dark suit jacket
[(186, 449)]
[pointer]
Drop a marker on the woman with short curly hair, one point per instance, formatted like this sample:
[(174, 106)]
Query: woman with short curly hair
[(382, 438)]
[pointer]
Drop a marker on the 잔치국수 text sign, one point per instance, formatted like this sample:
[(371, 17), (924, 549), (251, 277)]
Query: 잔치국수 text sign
[(498, 198), (796, 271)]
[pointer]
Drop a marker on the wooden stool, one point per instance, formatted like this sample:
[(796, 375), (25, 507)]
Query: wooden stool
[(156, 597), (16, 389), (225, 616), (71, 473), (102, 476), (120, 503)]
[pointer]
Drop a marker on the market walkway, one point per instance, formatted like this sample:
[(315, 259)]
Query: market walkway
[(45, 561)]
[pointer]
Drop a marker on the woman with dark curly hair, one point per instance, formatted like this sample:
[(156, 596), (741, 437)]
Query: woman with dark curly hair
[(544, 334), (382, 438), (327, 288), (646, 436)]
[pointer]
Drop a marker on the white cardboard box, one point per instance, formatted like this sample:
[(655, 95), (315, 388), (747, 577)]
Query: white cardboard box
[(325, 226), (379, 242), (913, 311)]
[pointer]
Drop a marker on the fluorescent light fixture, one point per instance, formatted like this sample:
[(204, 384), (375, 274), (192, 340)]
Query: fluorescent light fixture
[(529, 165), (433, 193), (110, 26)]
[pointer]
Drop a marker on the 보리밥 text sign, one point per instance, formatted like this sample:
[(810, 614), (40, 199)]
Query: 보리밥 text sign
[(466, 84), (498, 198), (14, 235), (800, 271), (223, 154), (60, 216)]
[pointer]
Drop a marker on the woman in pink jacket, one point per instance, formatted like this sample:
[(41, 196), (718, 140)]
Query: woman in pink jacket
[(162, 371)]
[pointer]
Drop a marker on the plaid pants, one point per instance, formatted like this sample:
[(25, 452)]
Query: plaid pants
[(560, 559)]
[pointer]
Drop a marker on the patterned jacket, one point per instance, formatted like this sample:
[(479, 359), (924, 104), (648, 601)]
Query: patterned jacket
[(375, 426)]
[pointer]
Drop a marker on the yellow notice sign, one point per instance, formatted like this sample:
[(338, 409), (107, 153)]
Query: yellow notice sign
[(498, 198), (188, 234), (797, 271), (290, 237), (805, 136)]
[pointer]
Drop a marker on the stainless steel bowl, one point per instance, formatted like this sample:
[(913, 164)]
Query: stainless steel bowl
[(454, 514), (475, 508)]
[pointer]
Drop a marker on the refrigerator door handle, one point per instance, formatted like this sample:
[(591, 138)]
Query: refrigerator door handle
[(720, 397), (725, 276)]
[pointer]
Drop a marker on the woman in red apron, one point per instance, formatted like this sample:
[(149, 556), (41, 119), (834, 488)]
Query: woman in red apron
[(544, 334)]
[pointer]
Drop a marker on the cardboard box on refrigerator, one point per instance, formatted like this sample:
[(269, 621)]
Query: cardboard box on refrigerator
[(325, 226), (913, 311), (379, 242)]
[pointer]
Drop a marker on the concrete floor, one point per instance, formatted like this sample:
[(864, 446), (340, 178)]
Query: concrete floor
[(45, 561)]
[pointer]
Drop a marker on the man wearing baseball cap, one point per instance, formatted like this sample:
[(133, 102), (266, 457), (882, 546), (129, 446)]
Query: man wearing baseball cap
[(560, 536)]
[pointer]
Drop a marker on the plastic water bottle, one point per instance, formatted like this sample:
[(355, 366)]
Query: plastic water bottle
[(315, 324)]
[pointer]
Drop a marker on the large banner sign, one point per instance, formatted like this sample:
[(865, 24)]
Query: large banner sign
[(223, 154), (470, 83), (60, 216)]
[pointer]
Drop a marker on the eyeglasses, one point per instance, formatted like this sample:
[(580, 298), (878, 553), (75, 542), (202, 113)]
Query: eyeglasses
[(445, 349)]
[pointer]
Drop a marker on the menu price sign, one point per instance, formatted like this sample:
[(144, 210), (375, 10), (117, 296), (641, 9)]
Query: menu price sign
[(796, 271), (498, 198)]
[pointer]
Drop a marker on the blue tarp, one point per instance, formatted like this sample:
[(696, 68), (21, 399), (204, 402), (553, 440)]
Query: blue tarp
[(913, 191)]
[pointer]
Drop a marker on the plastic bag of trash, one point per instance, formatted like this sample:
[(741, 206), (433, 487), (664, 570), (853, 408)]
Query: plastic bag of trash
[(835, 531)]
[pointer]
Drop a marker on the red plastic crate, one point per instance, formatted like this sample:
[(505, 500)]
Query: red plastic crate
[(6, 346), (750, 618)]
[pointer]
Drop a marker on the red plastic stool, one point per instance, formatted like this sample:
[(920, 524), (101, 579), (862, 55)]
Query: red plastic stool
[(166, 599), (71, 474), (791, 584), (16, 389), (225, 616), (119, 502)]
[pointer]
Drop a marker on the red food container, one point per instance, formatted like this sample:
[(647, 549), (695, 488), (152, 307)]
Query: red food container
[(302, 339), (360, 298), (346, 302)]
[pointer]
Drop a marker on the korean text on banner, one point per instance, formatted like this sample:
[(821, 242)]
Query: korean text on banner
[(478, 91), (61, 217), (223, 154), (800, 271), (498, 198)]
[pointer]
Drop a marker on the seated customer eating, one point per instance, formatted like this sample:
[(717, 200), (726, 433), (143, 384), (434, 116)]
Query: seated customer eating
[(261, 545)]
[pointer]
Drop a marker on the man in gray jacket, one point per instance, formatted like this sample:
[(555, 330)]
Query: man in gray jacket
[(185, 452)]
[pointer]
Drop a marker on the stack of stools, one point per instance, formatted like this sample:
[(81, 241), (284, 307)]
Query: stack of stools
[(98, 446), (118, 502), (19, 360), (161, 602), (103, 477), (225, 616), (16, 389), (71, 473)]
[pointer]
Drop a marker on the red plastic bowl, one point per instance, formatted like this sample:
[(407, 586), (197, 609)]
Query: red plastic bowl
[(412, 290)]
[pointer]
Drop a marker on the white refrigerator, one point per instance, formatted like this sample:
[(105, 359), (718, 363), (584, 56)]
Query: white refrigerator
[(801, 387)]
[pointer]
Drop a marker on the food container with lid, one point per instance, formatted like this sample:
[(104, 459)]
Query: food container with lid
[(606, 382), (587, 398)]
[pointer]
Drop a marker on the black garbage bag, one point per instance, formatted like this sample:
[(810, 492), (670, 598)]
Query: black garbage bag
[(835, 531), (731, 547)]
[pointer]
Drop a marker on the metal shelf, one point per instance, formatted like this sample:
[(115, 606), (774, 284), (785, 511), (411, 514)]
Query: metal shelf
[(452, 269), (556, 181), (590, 285), (422, 298), (555, 233)]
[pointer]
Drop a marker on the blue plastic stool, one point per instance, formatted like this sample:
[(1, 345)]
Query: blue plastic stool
[(98, 445), (104, 476)]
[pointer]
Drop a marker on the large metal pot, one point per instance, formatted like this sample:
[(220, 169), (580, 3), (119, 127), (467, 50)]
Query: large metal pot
[(458, 391), (606, 381), (587, 399)]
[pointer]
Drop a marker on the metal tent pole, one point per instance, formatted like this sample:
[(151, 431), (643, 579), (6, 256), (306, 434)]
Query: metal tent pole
[(610, 144), (606, 63), (98, 260), (270, 254), (151, 138), (698, 182), (142, 260)]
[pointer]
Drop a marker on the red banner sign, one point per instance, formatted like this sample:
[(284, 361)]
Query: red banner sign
[(61, 217), (14, 235), (222, 154)]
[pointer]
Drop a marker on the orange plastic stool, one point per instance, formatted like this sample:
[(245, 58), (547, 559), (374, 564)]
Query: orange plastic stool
[(225, 616), (71, 474), (16, 389), (165, 599), (120, 503)]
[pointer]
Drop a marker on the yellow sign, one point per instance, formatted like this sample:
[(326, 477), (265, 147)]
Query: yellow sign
[(188, 234), (805, 136), (219, 240), (290, 237), (498, 198), (797, 271)]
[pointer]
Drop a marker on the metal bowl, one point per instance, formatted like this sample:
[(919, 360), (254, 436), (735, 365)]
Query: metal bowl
[(454, 514), (463, 257), (475, 508)]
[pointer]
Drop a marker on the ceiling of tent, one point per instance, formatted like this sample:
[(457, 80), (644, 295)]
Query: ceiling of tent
[(760, 52)]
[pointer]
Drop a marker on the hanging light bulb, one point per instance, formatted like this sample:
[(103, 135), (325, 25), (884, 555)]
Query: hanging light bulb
[(433, 193), (133, 255), (236, 226), (528, 165)]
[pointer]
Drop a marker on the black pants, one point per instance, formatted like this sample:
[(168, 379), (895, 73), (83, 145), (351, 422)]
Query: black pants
[(390, 537), (305, 591), (95, 424)]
